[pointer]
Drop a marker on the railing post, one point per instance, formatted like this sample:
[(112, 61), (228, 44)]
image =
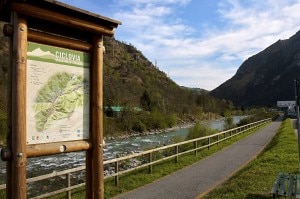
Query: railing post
[(196, 146), (68, 177), (150, 160), (116, 172), (218, 137), (176, 152), (208, 143)]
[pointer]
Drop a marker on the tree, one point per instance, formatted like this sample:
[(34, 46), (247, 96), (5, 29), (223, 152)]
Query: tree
[(145, 101), (228, 120)]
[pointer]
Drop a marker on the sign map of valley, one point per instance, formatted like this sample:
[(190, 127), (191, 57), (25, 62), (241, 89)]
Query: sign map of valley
[(57, 93)]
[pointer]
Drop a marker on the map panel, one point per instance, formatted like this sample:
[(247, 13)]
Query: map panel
[(57, 94)]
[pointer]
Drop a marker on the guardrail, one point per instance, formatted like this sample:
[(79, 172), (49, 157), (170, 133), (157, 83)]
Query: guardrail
[(122, 165)]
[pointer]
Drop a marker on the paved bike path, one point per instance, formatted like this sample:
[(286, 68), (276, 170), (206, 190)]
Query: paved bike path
[(196, 180)]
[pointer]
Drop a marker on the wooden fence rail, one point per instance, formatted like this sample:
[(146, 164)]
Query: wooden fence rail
[(147, 158)]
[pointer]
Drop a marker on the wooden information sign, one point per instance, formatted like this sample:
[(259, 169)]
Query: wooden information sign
[(55, 87)]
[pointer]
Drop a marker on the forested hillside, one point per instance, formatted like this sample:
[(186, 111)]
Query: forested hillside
[(131, 80), (128, 75)]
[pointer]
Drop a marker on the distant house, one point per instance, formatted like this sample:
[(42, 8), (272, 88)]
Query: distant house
[(115, 111), (289, 107)]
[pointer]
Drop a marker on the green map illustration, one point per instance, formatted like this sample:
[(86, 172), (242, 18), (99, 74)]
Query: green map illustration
[(58, 98)]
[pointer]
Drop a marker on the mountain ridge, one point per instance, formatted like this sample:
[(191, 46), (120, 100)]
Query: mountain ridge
[(265, 78)]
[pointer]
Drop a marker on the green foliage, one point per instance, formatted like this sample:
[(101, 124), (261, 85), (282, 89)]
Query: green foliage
[(212, 104), (256, 117), (157, 120), (199, 131), (132, 121), (228, 123), (228, 120), (58, 99), (171, 120), (3, 193), (127, 119), (176, 139), (257, 178), (145, 101), (139, 126), (3, 127)]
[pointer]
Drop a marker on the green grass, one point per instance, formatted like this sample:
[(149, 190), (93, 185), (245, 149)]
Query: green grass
[(256, 179), (141, 177)]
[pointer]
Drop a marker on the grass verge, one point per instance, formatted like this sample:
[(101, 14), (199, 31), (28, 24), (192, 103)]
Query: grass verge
[(141, 177), (256, 179)]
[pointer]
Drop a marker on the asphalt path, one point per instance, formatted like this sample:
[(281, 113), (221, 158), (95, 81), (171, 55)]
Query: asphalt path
[(198, 179)]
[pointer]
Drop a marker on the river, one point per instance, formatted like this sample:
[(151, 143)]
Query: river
[(141, 143), (46, 164)]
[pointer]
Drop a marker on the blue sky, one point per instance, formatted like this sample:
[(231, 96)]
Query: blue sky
[(199, 43)]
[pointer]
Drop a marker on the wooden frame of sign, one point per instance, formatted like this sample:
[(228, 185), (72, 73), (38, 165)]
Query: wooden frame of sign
[(42, 33)]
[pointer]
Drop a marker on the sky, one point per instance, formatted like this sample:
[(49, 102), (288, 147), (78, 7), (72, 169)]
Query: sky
[(199, 43)]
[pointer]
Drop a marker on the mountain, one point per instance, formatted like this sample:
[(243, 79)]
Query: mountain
[(266, 77), (128, 74), (40, 53)]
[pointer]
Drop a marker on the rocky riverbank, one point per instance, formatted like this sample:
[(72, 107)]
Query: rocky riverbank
[(153, 132)]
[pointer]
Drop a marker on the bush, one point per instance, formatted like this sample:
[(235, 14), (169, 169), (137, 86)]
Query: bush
[(257, 117), (228, 123), (199, 131), (171, 120), (3, 128), (138, 126)]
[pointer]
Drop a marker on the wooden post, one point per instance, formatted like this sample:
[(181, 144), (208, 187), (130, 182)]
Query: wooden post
[(19, 158), (68, 177), (176, 152), (9, 117), (89, 174), (53, 23), (196, 147), (208, 147), (97, 119), (150, 160), (116, 172)]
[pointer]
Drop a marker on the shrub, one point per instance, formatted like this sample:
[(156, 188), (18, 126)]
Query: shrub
[(171, 120), (199, 131), (138, 126), (3, 127)]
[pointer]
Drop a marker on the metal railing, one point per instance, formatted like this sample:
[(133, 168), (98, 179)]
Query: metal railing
[(147, 158)]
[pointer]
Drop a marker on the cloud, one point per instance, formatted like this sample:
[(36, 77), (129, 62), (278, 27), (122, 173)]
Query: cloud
[(201, 75), (192, 48), (143, 2)]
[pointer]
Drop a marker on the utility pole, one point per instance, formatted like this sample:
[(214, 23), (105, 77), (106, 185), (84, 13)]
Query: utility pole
[(297, 111)]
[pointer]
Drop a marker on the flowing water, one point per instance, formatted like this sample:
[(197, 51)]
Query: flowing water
[(47, 164)]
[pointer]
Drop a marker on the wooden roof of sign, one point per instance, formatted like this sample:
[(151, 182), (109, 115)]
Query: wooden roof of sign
[(58, 18)]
